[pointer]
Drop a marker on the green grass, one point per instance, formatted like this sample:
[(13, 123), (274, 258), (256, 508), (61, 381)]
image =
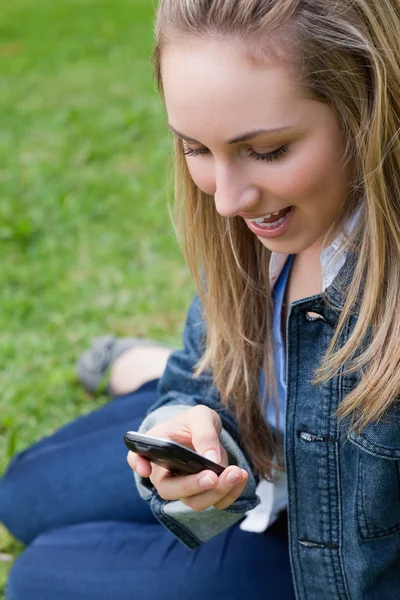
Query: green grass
[(85, 238)]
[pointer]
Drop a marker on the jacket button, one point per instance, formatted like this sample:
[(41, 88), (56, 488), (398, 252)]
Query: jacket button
[(313, 316), (310, 437)]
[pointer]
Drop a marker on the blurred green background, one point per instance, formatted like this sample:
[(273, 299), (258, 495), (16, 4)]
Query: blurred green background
[(85, 236)]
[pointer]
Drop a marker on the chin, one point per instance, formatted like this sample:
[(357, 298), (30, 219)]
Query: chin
[(288, 246)]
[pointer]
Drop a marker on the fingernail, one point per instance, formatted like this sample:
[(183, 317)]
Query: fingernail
[(244, 473), (232, 477), (206, 482), (211, 455)]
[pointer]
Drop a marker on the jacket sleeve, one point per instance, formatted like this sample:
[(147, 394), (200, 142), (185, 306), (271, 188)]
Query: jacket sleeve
[(178, 391)]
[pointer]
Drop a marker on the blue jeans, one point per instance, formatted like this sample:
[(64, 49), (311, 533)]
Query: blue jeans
[(72, 499)]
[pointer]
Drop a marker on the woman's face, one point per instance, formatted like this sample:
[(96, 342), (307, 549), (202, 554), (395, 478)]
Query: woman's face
[(255, 141)]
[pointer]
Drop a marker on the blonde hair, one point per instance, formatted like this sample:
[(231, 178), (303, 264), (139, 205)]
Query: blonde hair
[(348, 56)]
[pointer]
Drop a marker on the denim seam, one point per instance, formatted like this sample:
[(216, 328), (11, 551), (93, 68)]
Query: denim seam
[(362, 522), (346, 591), (327, 495), (332, 500), (365, 531), (298, 581), (374, 449), (340, 574), (341, 581)]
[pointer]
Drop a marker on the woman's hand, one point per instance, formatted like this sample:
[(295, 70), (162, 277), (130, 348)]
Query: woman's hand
[(198, 428)]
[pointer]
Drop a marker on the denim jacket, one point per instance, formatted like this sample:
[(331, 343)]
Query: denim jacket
[(343, 488)]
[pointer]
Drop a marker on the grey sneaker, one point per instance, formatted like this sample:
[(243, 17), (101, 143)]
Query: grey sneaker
[(93, 364)]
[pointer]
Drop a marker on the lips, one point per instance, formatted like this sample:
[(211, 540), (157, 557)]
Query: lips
[(274, 226)]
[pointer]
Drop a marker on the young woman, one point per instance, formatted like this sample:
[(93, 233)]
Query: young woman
[(286, 119)]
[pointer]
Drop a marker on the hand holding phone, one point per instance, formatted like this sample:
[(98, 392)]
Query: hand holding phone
[(198, 427)]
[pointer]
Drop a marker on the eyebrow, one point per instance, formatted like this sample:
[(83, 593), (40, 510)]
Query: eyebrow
[(245, 137)]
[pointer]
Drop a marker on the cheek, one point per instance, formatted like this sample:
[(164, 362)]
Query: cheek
[(312, 175), (202, 174), (304, 178)]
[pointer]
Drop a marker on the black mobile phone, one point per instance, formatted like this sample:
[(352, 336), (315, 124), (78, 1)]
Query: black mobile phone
[(168, 454)]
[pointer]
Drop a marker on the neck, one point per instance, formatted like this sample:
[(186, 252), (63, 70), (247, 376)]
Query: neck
[(312, 252), (306, 274)]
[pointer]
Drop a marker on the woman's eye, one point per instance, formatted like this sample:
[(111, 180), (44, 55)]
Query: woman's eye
[(267, 156), (188, 151)]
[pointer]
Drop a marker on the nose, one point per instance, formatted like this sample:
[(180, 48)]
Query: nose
[(234, 193)]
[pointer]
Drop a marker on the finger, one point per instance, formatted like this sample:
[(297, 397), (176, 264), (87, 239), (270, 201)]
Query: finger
[(139, 464), (230, 486), (172, 487), (235, 493), (173, 430), (205, 426)]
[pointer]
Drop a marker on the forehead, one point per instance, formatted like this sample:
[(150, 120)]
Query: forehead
[(209, 83)]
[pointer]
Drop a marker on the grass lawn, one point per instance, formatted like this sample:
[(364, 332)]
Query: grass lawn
[(85, 239)]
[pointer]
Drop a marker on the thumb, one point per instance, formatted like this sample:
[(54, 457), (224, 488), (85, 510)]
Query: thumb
[(205, 426)]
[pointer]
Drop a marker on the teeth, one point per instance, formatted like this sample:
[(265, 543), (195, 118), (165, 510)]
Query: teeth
[(275, 224), (261, 219)]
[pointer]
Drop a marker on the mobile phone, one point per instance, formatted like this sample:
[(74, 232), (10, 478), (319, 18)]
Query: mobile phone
[(168, 454)]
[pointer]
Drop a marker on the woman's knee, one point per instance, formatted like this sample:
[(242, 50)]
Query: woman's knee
[(15, 511), (19, 585), (22, 491)]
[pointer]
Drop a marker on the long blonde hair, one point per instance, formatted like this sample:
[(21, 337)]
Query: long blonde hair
[(348, 56)]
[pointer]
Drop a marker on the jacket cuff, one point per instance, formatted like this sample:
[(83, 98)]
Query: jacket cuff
[(191, 527)]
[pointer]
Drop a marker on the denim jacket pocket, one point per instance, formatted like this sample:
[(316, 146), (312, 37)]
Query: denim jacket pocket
[(378, 476)]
